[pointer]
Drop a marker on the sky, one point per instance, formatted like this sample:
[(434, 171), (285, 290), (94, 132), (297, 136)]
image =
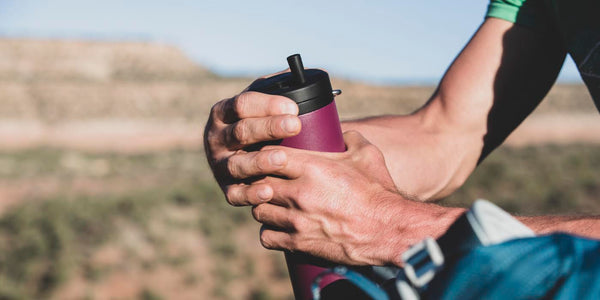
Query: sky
[(386, 41)]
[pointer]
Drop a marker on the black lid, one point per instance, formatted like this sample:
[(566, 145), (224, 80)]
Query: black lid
[(309, 88)]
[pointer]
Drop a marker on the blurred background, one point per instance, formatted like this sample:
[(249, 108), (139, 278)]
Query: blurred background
[(104, 188)]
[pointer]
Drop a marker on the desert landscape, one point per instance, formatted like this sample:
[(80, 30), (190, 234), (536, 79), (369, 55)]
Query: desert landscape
[(105, 192)]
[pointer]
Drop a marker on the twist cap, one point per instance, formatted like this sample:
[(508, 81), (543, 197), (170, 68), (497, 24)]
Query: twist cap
[(309, 88)]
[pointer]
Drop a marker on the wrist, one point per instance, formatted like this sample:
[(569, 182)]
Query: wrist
[(413, 221), (425, 162)]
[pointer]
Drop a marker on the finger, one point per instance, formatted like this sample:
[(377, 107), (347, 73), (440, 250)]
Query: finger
[(244, 194), (302, 153), (299, 161), (354, 139), (223, 111), (253, 105), (284, 191), (363, 152), (266, 77), (274, 74), (274, 239), (250, 164), (273, 215), (253, 130)]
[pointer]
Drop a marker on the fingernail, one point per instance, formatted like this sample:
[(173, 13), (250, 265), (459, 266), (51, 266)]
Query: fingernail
[(289, 108), (290, 125), (277, 158), (264, 194)]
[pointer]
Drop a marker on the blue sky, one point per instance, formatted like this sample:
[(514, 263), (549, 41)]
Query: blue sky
[(376, 41)]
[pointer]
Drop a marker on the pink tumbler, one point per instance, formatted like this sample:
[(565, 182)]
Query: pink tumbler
[(321, 131)]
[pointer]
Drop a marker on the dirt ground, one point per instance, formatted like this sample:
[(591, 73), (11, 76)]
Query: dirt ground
[(145, 136)]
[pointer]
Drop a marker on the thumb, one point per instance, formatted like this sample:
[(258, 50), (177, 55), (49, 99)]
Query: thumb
[(354, 140)]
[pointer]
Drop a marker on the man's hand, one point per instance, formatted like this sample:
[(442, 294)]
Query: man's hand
[(241, 121), (339, 206)]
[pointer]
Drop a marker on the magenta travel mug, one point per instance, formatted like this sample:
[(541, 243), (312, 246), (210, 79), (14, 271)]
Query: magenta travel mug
[(321, 131)]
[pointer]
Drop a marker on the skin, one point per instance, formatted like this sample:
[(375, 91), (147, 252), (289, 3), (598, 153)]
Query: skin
[(369, 204)]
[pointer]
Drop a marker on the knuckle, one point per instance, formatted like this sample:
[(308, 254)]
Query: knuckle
[(211, 138), (271, 127), (265, 240), (294, 243), (241, 103), (228, 137), (216, 108), (232, 167), (240, 132), (261, 163), (312, 168), (303, 199), (256, 213), (276, 103), (230, 196), (297, 223)]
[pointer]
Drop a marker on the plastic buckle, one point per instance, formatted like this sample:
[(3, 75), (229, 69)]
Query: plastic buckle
[(422, 261), (405, 290)]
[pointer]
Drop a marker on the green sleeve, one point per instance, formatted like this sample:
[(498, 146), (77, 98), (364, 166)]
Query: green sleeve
[(506, 10), (529, 13)]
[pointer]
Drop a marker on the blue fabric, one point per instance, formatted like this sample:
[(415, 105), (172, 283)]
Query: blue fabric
[(557, 266)]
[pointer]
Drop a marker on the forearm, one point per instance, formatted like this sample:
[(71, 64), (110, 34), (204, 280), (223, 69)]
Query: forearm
[(495, 82), (431, 152), (420, 220), (588, 226), (425, 161)]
